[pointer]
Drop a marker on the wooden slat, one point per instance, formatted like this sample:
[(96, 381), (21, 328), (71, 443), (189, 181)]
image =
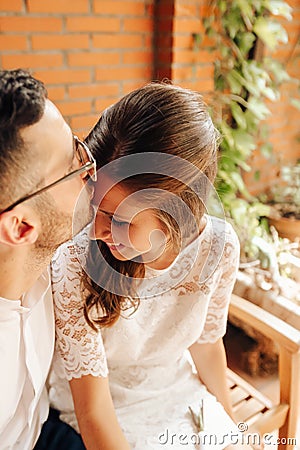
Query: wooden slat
[(271, 420), (248, 388), (237, 394), (254, 408), (247, 408), (271, 326)]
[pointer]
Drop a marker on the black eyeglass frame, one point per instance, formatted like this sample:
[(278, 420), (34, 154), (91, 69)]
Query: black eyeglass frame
[(87, 167)]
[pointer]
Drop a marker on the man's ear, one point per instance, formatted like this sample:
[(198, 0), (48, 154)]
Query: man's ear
[(17, 228)]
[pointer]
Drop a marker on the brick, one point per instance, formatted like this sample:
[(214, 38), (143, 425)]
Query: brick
[(11, 5), (191, 84), (117, 7), (82, 132), (93, 59), (31, 60), (183, 73), (116, 41), (85, 122), (56, 93), (123, 73), (13, 42), (140, 25), (93, 90), (186, 10), (59, 76), (294, 3), (193, 56), (103, 103), (150, 8), (187, 25), (58, 6), (90, 24), (148, 41), (183, 41), (205, 71), (74, 108), (143, 57), (129, 86), (30, 24), (62, 42), (206, 85), (207, 41)]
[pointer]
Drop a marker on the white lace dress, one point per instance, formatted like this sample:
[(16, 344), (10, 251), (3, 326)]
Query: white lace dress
[(151, 379)]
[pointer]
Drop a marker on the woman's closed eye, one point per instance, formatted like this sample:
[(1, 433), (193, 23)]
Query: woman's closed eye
[(119, 223)]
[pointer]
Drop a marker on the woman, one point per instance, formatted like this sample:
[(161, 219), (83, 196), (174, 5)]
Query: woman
[(153, 277)]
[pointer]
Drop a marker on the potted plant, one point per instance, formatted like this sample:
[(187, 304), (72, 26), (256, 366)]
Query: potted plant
[(284, 201)]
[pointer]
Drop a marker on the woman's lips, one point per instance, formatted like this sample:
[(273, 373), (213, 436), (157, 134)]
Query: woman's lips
[(113, 246)]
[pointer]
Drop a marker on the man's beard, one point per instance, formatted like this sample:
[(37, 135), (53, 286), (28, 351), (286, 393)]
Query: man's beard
[(58, 227)]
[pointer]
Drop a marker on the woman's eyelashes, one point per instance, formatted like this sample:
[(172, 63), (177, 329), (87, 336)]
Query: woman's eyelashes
[(118, 223)]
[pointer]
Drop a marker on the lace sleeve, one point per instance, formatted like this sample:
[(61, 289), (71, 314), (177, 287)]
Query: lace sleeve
[(216, 318), (81, 348)]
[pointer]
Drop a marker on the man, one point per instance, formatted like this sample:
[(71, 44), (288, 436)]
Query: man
[(43, 169)]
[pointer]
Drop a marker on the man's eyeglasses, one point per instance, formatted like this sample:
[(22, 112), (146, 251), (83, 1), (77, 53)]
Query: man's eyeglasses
[(88, 162)]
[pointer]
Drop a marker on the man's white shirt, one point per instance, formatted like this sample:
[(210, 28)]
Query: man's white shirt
[(26, 350)]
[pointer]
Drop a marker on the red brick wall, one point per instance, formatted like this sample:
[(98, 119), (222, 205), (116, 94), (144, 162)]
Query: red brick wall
[(192, 63), (91, 52), (88, 52)]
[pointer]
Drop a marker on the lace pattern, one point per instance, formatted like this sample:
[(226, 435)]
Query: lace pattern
[(80, 347), (146, 351)]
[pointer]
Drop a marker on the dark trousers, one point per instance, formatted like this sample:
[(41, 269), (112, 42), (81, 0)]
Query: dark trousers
[(57, 435)]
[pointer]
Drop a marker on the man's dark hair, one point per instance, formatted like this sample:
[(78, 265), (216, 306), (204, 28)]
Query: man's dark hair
[(22, 103)]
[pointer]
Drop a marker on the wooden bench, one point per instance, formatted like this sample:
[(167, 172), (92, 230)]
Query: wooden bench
[(249, 405)]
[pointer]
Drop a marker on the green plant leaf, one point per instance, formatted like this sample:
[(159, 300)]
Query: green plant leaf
[(238, 115), (266, 149), (245, 6), (271, 94), (258, 108), (243, 141), (245, 42), (234, 82), (276, 69), (270, 32), (296, 103), (239, 210), (227, 133), (233, 22), (239, 182), (279, 8), (222, 5)]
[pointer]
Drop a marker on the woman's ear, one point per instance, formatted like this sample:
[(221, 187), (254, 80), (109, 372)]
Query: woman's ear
[(18, 228)]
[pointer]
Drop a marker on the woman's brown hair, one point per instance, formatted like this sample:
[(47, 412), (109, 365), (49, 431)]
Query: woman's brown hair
[(158, 118)]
